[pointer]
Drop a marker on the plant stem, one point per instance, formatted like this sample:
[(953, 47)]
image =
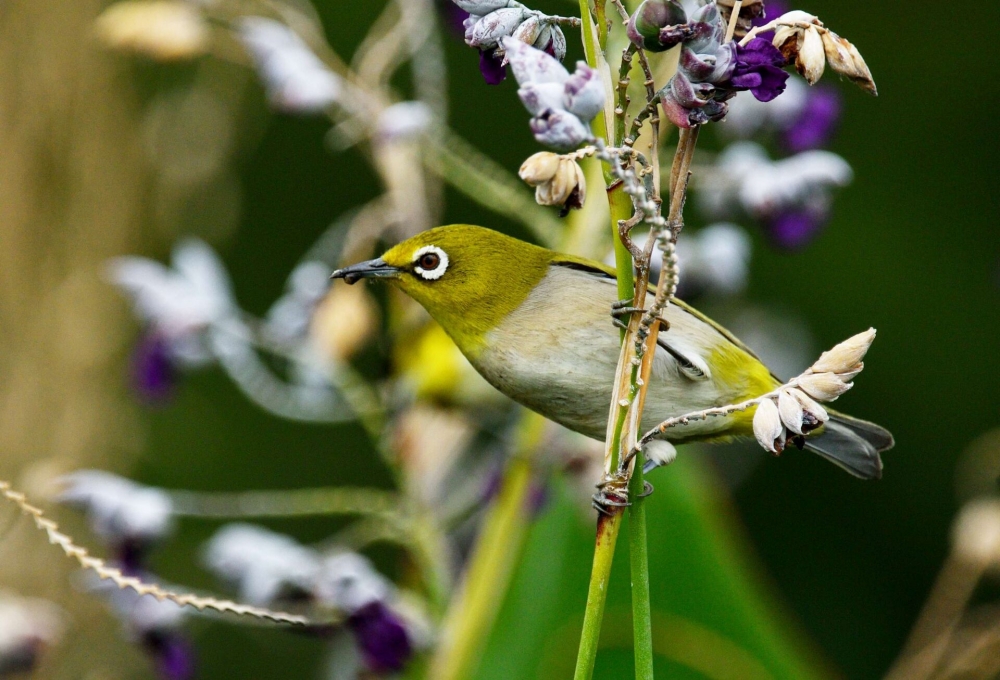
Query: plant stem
[(491, 566), (639, 562), (600, 575)]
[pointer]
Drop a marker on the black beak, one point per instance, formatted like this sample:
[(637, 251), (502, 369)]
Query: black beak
[(372, 269)]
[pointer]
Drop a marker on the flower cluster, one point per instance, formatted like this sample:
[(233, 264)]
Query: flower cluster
[(561, 103), (803, 118), (490, 21), (131, 519), (558, 179), (792, 197), (794, 411), (808, 44), (711, 69), (177, 305), (268, 568)]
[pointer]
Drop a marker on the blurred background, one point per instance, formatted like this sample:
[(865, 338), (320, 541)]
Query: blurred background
[(805, 569)]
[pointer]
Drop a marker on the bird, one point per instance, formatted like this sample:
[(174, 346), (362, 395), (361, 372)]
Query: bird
[(535, 324)]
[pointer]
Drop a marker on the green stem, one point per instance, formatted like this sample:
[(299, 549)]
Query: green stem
[(600, 575), (639, 561), (491, 566)]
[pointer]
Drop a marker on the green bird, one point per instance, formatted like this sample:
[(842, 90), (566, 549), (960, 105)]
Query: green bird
[(535, 324)]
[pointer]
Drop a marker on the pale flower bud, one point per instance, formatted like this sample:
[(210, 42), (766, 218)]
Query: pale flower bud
[(767, 426), (539, 168), (539, 97), (584, 92), (976, 532), (531, 65), (557, 180), (481, 7), (810, 61), (489, 30), (559, 129), (790, 410), (845, 356), (160, 29), (811, 409), (823, 386), (845, 59)]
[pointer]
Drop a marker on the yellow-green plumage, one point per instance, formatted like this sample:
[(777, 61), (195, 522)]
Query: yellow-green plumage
[(536, 324)]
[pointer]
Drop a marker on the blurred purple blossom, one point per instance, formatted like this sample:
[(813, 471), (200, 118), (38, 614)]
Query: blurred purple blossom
[(816, 123), (795, 229), (381, 637), (172, 654), (153, 373)]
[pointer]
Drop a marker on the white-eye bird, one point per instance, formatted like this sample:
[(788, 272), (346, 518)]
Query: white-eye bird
[(536, 324)]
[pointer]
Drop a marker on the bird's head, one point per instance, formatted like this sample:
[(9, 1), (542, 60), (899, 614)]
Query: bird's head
[(468, 278)]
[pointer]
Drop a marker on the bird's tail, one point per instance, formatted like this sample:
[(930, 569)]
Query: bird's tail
[(852, 444)]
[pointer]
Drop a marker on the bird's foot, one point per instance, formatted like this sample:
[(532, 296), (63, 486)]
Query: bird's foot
[(612, 493), (621, 309)]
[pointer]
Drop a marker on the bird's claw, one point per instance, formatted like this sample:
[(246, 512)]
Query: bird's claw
[(612, 492), (623, 308), (647, 489)]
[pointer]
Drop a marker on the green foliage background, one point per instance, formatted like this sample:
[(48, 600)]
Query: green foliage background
[(912, 250)]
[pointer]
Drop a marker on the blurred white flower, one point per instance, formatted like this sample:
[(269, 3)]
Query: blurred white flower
[(119, 510), (261, 564), (405, 120), (347, 581), (178, 302), (715, 259), (744, 175), (27, 625), (295, 79)]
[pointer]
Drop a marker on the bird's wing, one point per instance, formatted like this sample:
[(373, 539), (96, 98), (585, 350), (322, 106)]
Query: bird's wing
[(602, 270)]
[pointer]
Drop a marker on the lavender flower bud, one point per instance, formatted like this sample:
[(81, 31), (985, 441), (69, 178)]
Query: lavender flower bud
[(650, 18), (470, 24), (481, 7), (489, 30), (847, 355), (559, 129), (538, 97), (584, 92), (531, 65), (791, 412), (823, 386)]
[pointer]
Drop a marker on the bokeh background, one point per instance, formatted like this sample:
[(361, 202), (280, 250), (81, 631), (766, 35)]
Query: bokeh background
[(103, 154)]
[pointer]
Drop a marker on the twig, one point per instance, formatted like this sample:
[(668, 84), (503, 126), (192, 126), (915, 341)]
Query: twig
[(115, 575)]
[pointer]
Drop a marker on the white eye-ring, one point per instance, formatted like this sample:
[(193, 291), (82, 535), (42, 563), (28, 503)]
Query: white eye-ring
[(430, 262)]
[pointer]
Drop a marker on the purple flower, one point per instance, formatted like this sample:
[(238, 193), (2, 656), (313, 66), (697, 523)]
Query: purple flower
[(814, 126), (172, 654), (153, 374), (381, 636), (492, 67), (795, 229), (758, 69)]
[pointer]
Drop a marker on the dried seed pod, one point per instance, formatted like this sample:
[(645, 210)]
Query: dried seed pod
[(823, 386), (845, 59), (813, 414), (767, 427), (791, 412), (845, 356), (810, 61)]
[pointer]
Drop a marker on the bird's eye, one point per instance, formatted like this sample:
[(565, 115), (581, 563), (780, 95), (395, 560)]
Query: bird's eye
[(430, 263)]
